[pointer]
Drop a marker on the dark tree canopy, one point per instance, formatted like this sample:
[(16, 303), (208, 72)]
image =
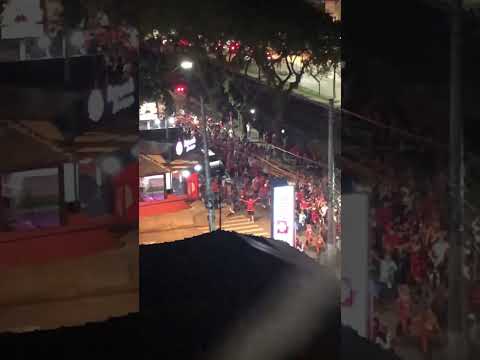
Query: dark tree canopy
[(281, 40)]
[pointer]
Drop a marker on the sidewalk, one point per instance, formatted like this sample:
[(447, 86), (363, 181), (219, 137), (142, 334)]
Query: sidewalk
[(171, 221)]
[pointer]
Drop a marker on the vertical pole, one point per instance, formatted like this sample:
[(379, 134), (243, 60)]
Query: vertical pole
[(331, 180), (457, 345), (23, 50), (208, 188), (61, 195), (220, 202), (66, 69), (334, 89)]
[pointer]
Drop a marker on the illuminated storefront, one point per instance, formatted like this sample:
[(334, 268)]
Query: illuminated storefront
[(161, 181)]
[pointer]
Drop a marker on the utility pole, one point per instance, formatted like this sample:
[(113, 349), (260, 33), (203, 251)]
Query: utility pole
[(208, 187), (66, 54), (331, 237), (457, 344), (334, 82), (220, 202)]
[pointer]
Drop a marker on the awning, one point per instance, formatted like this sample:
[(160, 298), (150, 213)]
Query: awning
[(90, 144), (182, 164), (152, 165)]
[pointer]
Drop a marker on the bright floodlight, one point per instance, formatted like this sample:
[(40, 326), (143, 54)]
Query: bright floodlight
[(171, 120), (197, 167), (252, 111), (283, 131), (186, 65), (185, 173)]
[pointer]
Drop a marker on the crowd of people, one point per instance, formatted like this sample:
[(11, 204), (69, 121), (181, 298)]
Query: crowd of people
[(250, 184), (409, 257), (409, 244)]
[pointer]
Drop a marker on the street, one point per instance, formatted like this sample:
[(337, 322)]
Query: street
[(72, 292), (192, 222)]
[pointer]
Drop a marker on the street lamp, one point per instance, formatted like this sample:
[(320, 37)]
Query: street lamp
[(252, 111), (186, 65)]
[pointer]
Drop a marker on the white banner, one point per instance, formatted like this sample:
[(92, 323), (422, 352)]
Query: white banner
[(283, 222), (355, 298)]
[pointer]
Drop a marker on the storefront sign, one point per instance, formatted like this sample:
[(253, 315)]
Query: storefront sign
[(179, 148), (121, 96), (118, 97), (96, 105), (190, 144), (283, 224), (185, 146)]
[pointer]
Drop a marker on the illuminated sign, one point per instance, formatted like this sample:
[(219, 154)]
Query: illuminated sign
[(179, 148), (186, 145), (148, 111), (96, 105), (190, 144), (283, 222), (120, 96)]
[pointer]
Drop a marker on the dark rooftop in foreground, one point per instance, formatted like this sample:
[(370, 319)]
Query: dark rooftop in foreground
[(215, 296)]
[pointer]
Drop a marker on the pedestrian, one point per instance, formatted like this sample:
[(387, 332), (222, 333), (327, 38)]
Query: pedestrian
[(403, 310), (429, 328), (250, 203), (388, 269)]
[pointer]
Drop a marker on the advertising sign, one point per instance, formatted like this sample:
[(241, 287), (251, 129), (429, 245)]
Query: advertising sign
[(283, 222), (356, 297)]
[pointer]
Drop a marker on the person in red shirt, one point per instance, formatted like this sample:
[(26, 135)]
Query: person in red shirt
[(404, 312), (304, 205), (390, 240), (250, 203), (384, 216), (298, 243), (309, 236), (315, 217), (417, 264), (320, 244)]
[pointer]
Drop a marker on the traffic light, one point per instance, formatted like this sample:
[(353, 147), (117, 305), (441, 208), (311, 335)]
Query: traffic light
[(180, 89)]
